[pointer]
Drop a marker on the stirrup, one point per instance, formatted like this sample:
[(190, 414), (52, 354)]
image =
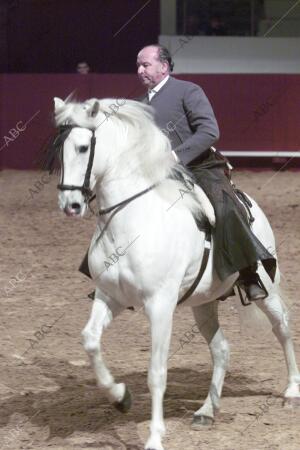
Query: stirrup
[(244, 299)]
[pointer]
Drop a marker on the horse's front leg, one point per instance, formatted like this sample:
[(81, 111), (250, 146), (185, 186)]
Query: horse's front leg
[(101, 317), (160, 314)]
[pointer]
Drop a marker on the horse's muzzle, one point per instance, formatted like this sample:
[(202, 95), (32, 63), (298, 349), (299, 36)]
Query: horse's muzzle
[(73, 210)]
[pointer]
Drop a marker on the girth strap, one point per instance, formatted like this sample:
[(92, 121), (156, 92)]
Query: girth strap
[(201, 271)]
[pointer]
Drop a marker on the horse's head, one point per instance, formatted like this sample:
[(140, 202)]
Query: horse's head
[(77, 146), (129, 147)]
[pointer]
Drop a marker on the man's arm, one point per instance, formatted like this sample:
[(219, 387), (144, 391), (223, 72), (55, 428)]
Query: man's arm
[(203, 123)]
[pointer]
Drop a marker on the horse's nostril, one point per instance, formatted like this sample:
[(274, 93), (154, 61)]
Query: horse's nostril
[(75, 206)]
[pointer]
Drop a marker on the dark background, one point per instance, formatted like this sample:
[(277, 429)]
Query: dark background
[(41, 42), (46, 36)]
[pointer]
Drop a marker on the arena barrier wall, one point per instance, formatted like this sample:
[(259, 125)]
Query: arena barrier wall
[(255, 112)]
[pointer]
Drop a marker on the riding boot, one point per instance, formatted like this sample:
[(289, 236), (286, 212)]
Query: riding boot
[(252, 284)]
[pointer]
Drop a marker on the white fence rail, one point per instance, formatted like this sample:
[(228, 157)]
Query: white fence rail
[(261, 154)]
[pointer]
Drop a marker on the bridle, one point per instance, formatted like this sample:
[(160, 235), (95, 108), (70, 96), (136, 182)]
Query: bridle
[(85, 188)]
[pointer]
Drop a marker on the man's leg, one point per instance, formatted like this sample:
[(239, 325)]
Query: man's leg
[(236, 247)]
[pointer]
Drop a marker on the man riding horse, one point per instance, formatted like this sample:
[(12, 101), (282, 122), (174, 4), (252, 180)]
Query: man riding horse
[(183, 111)]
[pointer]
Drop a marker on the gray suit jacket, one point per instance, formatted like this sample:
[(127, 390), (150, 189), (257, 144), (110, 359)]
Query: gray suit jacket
[(184, 113)]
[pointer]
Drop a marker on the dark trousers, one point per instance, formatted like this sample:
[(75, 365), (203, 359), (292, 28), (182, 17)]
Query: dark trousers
[(236, 248)]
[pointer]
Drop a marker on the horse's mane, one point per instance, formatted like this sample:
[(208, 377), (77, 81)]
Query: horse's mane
[(148, 149), (147, 145)]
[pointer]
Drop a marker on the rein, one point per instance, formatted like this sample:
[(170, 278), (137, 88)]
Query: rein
[(102, 212)]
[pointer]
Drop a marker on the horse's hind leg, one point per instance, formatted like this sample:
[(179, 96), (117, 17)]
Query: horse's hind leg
[(101, 317), (273, 307), (207, 321)]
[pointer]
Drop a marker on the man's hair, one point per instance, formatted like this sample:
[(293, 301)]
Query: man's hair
[(82, 61), (165, 56)]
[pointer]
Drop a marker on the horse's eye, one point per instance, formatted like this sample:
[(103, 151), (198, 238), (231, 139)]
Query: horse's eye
[(83, 148)]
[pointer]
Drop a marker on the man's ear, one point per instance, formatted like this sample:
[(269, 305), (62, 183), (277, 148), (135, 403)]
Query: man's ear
[(58, 103), (165, 67), (93, 111)]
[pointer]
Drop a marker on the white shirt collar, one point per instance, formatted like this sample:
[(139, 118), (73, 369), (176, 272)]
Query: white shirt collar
[(152, 92)]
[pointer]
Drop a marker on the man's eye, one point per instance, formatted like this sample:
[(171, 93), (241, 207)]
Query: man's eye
[(83, 148)]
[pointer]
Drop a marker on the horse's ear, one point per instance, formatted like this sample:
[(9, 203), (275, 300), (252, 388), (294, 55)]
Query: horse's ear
[(58, 103), (93, 111)]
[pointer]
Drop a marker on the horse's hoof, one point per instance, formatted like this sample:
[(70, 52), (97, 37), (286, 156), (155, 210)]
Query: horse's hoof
[(154, 444), (291, 402), (125, 404), (159, 447), (200, 421)]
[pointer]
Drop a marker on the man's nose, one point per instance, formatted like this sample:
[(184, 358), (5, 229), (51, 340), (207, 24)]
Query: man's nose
[(140, 69)]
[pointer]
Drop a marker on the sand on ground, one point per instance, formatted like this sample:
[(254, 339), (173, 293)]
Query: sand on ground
[(49, 398)]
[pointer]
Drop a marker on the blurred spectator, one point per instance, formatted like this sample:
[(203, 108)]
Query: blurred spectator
[(216, 27), (259, 15), (192, 25), (83, 68)]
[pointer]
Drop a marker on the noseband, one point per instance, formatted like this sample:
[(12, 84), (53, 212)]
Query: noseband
[(85, 188)]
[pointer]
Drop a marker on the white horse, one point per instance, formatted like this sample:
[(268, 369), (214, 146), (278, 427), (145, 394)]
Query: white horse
[(146, 252)]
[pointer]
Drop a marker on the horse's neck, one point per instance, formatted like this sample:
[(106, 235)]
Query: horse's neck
[(124, 225)]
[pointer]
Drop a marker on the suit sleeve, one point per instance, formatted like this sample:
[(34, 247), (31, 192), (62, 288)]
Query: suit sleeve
[(202, 121)]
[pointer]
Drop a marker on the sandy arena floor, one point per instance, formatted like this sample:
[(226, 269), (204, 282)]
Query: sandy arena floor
[(49, 399)]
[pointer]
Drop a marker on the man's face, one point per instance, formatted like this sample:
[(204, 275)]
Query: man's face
[(83, 68), (150, 70)]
